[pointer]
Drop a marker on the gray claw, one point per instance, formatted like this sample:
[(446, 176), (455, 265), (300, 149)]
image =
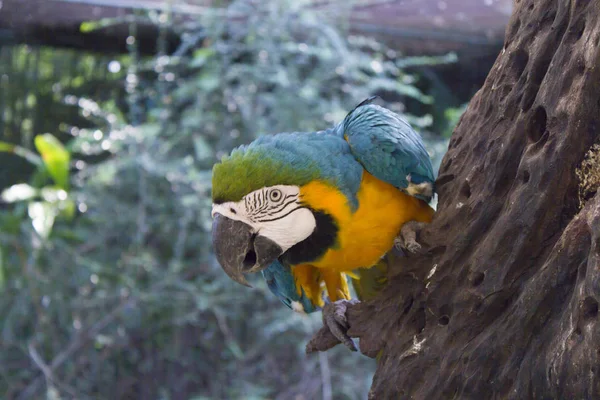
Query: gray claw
[(334, 317), (408, 237)]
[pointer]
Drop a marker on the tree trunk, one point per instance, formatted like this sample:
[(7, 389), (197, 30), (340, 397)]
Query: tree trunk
[(504, 301)]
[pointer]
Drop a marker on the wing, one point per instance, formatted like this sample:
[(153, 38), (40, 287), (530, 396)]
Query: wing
[(282, 283), (368, 282), (388, 148)]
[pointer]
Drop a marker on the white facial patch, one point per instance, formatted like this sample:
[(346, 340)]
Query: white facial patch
[(274, 212)]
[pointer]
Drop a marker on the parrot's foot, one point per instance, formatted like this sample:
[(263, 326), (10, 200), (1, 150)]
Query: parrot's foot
[(335, 323), (408, 236)]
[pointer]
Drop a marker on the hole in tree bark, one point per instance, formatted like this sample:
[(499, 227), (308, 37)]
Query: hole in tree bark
[(525, 176), (437, 250), (537, 124), (445, 312), (549, 15), (419, 320), (477, 279), (537, 72), (589, 308), (520, 60), (514, 28), (465, 190)]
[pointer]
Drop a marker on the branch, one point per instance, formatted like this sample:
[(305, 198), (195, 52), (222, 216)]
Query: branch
[(325, 376), (80, 340), (47, 371)]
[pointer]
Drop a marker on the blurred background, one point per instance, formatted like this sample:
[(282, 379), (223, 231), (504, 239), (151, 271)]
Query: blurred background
[(112, 113)]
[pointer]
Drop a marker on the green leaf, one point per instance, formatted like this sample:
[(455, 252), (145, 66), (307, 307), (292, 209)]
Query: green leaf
[(7, 147), (42, 216), (18, 192), (56, 158), (88, 26), (201, 56)]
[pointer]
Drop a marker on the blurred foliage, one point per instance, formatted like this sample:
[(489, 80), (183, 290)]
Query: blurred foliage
[(107, 285), (33, 85), (453, 115)]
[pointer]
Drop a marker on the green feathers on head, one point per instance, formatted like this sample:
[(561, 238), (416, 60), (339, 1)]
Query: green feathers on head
[(260, 164), (286, 159)]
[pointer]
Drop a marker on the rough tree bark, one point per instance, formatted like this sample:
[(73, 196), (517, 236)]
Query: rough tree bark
[(504, 301)]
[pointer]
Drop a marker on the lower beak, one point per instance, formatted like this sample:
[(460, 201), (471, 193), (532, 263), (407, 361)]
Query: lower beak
[(239, 250)]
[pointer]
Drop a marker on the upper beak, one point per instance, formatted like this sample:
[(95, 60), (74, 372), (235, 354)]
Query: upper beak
[(239, 250)]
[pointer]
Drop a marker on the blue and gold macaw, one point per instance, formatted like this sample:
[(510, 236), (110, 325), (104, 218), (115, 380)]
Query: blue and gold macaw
[(308, 209)]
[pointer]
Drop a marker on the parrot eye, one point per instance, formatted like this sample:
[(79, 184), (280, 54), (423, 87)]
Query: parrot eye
[(275, 195)]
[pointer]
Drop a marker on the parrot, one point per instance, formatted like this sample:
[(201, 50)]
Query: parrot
[(308, 209)]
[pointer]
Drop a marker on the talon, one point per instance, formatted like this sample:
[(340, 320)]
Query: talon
[(413, 246), (334, 319), (408, 237)]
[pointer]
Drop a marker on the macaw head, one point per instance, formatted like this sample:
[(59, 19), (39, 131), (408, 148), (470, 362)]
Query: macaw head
[(259, 213)]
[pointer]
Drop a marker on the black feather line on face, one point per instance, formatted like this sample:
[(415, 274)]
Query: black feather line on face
[(267, 219), (263, 204), (281, 207), (316, 245)]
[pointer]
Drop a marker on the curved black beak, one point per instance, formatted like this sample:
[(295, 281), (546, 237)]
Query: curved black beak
[(239, 250)]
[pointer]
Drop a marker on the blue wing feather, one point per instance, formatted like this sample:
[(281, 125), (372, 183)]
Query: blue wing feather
[(282, 284), (387, 146)]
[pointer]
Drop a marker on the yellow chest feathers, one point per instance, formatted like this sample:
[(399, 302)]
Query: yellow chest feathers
[(365, 235)]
